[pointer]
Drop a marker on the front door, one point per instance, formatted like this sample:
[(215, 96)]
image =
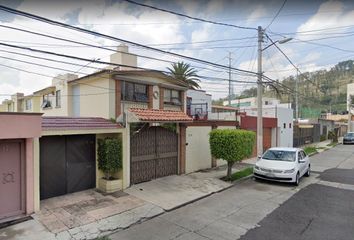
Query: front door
[(11, 178)]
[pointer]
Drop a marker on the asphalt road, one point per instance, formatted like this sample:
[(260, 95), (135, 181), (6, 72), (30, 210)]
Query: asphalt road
[(322, 207)]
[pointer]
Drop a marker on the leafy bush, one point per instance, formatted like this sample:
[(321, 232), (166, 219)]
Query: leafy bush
[(310, 150), (231, 145), (109, 156), (323, 137)]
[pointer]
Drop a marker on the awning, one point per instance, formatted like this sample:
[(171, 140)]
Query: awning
[(156, 115)]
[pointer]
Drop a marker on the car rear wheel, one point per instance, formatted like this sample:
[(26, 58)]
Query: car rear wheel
[(297, 179), (307, 174)]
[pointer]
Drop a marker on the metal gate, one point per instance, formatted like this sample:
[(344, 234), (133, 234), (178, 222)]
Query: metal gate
[(154, 154), (67, 164), (11, 178)]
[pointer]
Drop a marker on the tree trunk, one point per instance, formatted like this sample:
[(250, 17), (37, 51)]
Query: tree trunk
[(229, 169)]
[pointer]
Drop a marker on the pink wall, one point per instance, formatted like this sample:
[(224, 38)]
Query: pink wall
[(29, 176), (20, 125), (23, 126)]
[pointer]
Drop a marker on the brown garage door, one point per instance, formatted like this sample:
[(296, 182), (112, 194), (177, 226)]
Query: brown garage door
[(11, 178), (154, 153)]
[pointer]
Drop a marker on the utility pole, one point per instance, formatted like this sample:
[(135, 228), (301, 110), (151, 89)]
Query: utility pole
[(297, 96), (230, 79), (349, 113), (259, 95)]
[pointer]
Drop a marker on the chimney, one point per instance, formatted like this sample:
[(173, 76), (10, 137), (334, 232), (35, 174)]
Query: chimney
[(123, 57), (63, 78)]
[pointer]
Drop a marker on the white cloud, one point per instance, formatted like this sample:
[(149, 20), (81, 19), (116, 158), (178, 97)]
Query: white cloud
[(339, 17)]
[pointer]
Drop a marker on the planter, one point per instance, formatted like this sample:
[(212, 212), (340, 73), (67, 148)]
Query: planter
[(109, 186)]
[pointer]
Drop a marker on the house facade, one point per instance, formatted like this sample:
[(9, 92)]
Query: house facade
[(18, 152)]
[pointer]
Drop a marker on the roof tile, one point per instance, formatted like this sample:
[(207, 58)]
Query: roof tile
[(76, 123), (155, 115)]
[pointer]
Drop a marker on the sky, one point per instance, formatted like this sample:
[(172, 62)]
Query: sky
[(321, 32)]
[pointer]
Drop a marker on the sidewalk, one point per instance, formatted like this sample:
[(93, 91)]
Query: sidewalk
[(82, 215), (174, 191)]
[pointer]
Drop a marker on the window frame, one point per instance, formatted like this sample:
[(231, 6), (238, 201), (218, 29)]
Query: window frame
[(144, 96), (28, 107), (170, 101), (58, 99), (45, 97)]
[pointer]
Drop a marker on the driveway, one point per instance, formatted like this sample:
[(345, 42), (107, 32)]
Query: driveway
[(320, 208)]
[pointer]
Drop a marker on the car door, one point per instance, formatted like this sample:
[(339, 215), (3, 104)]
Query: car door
[(302, 162), (307, 160)]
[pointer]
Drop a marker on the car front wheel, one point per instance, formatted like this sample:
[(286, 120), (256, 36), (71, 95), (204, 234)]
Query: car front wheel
[(307, 174)]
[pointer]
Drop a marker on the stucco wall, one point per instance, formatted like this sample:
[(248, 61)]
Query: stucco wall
[(54, 110), (197, 138), (285, 135), (20, 125), (97, 98)]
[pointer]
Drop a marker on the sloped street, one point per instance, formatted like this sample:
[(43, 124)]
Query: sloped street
[(262, 210)]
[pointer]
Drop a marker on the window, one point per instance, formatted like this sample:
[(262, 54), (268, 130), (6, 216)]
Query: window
[(134, 92), (266, 103), (289, 125), (299, 156), (58, 99), (28, 104), (46, 102), (284, 125), (171, 97)]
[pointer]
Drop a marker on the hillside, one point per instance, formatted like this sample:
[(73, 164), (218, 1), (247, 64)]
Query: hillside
[(319, 91)]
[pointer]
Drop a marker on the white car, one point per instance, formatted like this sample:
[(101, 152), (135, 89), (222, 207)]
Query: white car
[(282, 165)]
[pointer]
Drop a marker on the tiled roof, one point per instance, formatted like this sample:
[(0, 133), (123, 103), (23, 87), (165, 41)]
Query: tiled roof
[(76, 123), (155, 115)]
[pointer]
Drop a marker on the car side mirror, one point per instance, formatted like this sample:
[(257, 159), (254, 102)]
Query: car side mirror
[(259, 156), (302, 161)]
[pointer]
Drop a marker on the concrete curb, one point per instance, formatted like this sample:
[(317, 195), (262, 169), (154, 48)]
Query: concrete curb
[(325, 149)]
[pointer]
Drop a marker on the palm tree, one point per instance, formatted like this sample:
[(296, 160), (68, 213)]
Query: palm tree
[(184, 72)]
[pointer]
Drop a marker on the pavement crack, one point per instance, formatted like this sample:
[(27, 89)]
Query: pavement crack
[(307, 226)]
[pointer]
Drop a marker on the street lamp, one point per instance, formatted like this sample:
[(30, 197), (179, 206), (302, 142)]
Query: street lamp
[(260, 88)]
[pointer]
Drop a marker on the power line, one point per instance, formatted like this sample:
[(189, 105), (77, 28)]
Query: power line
[(190, 17), (49, 21), (277, 14), (67, 70), (282, 52)]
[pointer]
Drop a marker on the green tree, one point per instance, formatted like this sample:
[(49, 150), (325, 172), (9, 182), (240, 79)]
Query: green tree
[(109, 156), (231, 145), (184, 72)]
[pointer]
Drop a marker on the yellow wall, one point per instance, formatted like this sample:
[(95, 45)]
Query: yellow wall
[(3, 108), (97, 97)]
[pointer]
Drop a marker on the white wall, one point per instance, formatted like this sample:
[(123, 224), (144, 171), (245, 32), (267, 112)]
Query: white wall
[(200, 97), (350, 91), (285, 135), (198, 154)]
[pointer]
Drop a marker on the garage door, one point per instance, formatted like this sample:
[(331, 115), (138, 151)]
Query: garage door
[(67, 164), (11, 178), (154, 154)]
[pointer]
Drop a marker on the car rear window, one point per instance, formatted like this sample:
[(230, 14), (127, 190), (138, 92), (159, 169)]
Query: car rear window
[(279, 155)]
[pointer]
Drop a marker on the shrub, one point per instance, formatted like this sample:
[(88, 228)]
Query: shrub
[(231, 145), (323, 137), (109, 156)]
